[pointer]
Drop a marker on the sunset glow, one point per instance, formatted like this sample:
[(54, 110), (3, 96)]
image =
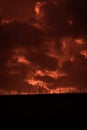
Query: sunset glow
[(84, 52), (37, 83), (37, 8), (43, 47), (79, 41), (23, 60)]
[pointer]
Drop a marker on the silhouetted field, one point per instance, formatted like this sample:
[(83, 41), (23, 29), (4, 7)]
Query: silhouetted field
[(43, 111)]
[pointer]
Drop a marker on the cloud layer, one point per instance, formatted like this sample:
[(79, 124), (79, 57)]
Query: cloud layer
[(50, 52)]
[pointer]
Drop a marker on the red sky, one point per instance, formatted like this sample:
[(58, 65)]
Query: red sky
[(49, 51), (20, 9)]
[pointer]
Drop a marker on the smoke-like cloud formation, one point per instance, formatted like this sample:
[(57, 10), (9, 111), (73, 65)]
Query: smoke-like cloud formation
[(50, 52)]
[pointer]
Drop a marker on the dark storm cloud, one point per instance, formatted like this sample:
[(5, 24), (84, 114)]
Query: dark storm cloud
[(43, 61), (16, 34), (76, 10), (66, 19), (11, 82), (46, 79), (76, 73), (12, 36), (12, 76), (53, 18)]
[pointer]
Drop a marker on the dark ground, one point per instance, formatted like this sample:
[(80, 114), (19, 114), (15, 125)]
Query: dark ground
[(33, 112)]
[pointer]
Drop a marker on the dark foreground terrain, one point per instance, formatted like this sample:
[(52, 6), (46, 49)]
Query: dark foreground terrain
[(68, 111)]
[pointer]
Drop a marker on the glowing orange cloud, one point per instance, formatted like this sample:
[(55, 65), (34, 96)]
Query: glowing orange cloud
[(37, 8), (84, 52), (18, 56), (36, 83), (39, 5), (23, 60), (79, 41), (53, 74), (40, 73)]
